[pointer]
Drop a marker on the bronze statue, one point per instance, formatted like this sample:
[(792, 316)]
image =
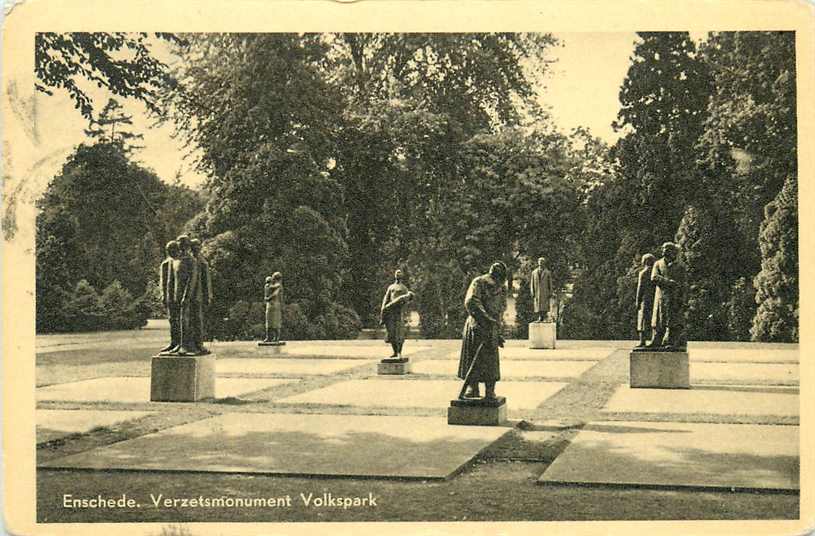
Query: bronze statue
[(392, 313), (185, 285), (166, 285), (540, 285), (667, 319), (645, 299), (485, 303), (202, 298), (273, 295)]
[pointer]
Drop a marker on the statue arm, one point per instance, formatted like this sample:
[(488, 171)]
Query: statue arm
[(475, 306), (208, 282), (640, 293), (163, 281), (276, 288)]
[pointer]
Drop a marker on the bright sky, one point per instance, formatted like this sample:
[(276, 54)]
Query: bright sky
[(582, 90)]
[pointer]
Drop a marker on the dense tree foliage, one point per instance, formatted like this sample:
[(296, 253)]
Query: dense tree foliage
[(336, 158), (777, 282), (709, 137), (104, 221), (121, 63)]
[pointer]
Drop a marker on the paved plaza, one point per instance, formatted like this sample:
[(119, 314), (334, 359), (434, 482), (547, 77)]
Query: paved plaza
[(320, 410)]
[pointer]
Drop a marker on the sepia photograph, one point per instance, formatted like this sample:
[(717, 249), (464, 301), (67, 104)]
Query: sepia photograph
[(323, 274)]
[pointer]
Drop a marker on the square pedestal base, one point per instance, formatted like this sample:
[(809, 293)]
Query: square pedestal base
[(542, 335), (271, 348), (477, 412), (182, 379), (667, 370), (393, 366)]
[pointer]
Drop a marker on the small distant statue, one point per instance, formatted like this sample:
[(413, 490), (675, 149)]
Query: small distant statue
[(485, 303), (202, 298), (540, 285), (645, 299), (273, 296), (167, 299), (667, 320), (392, 313)]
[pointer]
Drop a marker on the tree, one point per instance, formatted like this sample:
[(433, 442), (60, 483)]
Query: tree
[(410, 101), (641, 202), (122, 63), (102, 219), (109, 127), (265, 123), (777, 293)]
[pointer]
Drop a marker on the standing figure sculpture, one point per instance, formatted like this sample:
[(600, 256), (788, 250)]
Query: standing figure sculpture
[(645, 299), (273, 296), (392, 313), (185, 285), (485, 303), (202, 298), (540, 285), (667, 320), (166, 285)]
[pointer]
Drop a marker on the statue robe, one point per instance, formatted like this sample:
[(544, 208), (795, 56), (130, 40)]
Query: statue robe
[(669, 301), (166, 283), (201, 300), (392, 313), (273, 296), (645, 300), (540, 285), (185, 287), (485, 303)]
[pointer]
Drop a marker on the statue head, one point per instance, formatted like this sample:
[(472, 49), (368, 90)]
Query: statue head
[(498, 271), (670, 250), (171, 248), (541, 262), (648, 260), (397, 275), (183, 243), (277, 277), (195, 246)]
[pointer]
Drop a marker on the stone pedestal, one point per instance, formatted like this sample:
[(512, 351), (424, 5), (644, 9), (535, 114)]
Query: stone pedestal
[(271, 348), (182, 378), (393, 366), (666, 370), (477, 411), (542, 334)]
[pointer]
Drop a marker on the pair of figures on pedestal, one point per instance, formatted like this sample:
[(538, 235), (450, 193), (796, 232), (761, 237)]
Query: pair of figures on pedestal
[(186, 292), (273, 296), (661, 301)]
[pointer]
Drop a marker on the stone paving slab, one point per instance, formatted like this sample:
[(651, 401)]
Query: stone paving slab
[(746, 373), (758, 354), (721, 401), (131, 390), (510, 369), (563, 354), (399, 393), (680, 455), (57, 423), (251, 366), (317, 445), (301, 349)]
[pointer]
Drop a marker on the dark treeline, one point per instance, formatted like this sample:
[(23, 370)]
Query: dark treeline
[(336, 158)]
